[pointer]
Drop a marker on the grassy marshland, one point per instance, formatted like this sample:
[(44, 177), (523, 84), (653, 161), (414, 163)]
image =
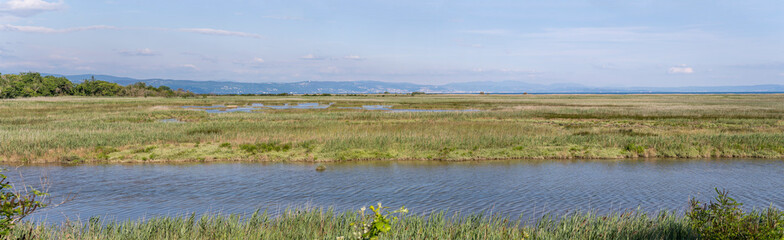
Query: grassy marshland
[(318, 224), (78, 129)]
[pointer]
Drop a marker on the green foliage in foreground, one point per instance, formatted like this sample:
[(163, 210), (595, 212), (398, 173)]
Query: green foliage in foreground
[(381, 223), (718, 220), (32, 84), (723, 219), (319, 224), (15, 205)]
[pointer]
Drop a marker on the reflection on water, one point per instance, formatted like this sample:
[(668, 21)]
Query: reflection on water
[(295, 106), (507, 187), (259, 106), (390, 109)]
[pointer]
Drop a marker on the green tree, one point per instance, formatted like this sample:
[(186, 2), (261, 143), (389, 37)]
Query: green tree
[(98, 88), (32, 84)]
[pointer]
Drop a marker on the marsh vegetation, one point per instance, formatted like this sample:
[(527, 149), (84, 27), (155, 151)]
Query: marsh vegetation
[(720, 220), (83, 129)]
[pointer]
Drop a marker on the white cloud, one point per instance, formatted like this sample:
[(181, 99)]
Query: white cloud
[(37, 29), (189, 66), (353, 57), (311, 57), (26, 8), (683, 69), (220, 32), (258, 60), (139, 52)]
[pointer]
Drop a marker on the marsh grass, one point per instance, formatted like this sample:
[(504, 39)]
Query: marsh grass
[(318, 223), (508, 126)]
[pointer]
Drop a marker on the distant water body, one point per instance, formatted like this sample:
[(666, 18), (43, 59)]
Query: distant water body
[(133, 191), (258, 107), (621, 93)]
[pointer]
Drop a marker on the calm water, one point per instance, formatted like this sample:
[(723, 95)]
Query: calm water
[(390, 109), (258, 106), (509, 187)]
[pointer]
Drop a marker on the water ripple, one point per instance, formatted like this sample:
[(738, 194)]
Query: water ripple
[(507, 187)]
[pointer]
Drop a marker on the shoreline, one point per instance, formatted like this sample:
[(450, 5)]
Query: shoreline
[(327, 161)]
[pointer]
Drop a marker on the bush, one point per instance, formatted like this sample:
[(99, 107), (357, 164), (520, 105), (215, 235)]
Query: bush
[(265, 147), (145, 149), (102, 152), (250, 148), (14, 206), (724, 219), (635, 149)]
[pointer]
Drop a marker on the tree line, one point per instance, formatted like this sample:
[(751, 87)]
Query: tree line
[(32, 84)]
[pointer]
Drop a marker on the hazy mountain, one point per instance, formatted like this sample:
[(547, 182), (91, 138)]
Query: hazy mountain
[(221, 87)]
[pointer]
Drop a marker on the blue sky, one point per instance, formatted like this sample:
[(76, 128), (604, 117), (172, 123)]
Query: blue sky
[(595, 42)]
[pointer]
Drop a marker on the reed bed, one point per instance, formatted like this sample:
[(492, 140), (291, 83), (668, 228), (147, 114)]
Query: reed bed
[(79, 129), (328, 224)]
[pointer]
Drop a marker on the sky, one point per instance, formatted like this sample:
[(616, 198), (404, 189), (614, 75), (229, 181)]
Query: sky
[(593, 42)]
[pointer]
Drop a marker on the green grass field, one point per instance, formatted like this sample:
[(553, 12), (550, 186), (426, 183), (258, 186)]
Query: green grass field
[(85, 129)]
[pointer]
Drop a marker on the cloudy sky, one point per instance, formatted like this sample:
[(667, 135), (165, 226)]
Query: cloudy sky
[(594, 42)]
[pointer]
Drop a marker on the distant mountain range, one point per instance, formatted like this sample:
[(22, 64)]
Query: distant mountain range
[(336, 87)]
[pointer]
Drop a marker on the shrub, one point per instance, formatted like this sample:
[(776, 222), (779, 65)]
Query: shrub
[(634, 148), (102, 152), (250, 148), (14, 206), (265, 147), (724, 219), (145, 149)]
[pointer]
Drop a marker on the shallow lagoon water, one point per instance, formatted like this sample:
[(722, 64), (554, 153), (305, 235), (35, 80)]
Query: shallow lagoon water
[(526, 187), (390, 109), (259, 106)]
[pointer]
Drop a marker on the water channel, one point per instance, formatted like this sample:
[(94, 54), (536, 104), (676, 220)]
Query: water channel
[(528, 187)]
